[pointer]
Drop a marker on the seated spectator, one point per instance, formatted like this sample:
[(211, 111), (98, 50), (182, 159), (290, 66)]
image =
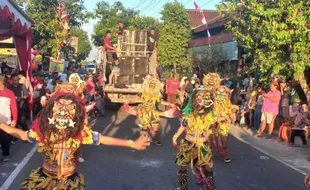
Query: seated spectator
[(301, 125), (286, 127), (99, 103)]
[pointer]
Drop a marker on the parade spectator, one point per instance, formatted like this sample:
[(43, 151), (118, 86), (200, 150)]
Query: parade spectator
[(8, 115), (90, 87), (63, 77), (245, 82), (258, 97), (270, 108), (172, 86), (285, 102), (100, 79), (43, 101), (21, 95), (285, 129), (182, 82), (301, 126), (23, 80), (251, 83), (99, 103), (114, 74), (227, 82)]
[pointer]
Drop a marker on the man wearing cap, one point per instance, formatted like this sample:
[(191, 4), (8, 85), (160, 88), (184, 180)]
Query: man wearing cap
[(8, 115), (270, 108)]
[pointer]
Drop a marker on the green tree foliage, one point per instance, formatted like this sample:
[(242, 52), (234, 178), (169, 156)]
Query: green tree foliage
[(84, 46), (173, 51), (47, 30), (276, 34), (110, 16)]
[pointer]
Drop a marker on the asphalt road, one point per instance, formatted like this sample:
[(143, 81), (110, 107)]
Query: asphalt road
[(114, 168)]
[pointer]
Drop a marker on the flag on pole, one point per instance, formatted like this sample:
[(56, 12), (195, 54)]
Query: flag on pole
[(203, 20)]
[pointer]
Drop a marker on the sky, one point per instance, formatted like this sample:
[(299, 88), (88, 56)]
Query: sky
[(146, 7)]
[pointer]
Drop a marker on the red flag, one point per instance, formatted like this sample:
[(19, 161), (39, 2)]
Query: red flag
[(203, 20)]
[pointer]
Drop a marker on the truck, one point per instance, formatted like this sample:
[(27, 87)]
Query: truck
[(135, 63)]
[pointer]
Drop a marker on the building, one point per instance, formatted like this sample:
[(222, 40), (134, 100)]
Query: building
[(219, 53)]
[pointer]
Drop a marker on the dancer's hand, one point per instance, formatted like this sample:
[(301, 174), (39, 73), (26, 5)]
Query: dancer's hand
[(174, 143), (142, 142), (307, 180)]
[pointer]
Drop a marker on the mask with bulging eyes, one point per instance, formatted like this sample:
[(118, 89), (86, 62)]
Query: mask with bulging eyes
[(63, 114), (202, 101), (211, 80)]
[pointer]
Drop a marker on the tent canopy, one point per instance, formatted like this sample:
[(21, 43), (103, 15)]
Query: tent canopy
[(15, 23)]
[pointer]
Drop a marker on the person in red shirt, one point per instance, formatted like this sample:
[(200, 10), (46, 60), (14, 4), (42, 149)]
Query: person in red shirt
[(172, 86), (100, 79), (90, 87), (8, 115), (109, 48)]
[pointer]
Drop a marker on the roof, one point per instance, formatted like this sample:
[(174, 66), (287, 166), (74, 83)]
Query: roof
[(219, 38), (21, 11), (212, 16)]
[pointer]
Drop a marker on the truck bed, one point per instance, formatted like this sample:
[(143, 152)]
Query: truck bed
[(122, 90)]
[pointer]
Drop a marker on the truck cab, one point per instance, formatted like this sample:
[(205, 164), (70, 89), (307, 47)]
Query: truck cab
[(90, 68)]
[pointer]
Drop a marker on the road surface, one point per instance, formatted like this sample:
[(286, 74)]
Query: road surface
[(113, 168)]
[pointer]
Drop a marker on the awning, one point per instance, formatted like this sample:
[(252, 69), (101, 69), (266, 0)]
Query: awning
[(15, 23)]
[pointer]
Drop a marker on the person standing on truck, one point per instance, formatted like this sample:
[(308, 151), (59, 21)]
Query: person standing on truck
[(152, 42), (115, 72), (121, 29), (172, 86), (110, 50)]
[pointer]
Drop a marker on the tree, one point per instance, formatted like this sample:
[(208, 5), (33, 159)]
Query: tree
[(276, 34), (84, 45), (47, 30), (111, 15), (175, 34)]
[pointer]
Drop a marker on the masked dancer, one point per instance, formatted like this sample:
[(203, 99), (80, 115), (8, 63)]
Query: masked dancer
[(59, 133), (147, 112), (195, 149), (223, 111)]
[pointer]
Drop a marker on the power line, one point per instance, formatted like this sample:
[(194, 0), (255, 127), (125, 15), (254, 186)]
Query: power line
[(157, 11), (151, 6), (206, 3), (147, 6), (187, 2), (140, 3)]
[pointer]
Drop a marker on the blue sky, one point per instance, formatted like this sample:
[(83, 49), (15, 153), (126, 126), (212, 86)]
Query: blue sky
[(146, 7)]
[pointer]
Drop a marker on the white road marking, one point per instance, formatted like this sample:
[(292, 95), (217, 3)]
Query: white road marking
[(18, 169), (266, 153)]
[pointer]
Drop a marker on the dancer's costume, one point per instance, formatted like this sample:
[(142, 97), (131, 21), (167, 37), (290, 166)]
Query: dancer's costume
[(75, 79), (147, 112), (223, 112), (195, 149), (59, 133)]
